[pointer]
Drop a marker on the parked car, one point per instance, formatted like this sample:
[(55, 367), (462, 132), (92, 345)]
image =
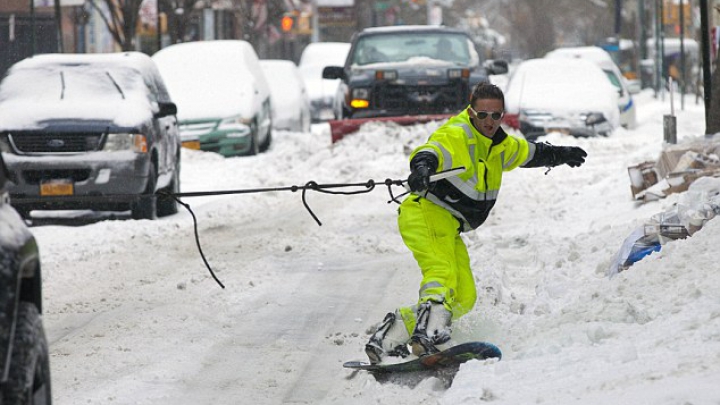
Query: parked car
[(222, 95), (572, 96), (290, 100), (408, 70), (315, 57), (626, 105), (24, 359), (89, 131)]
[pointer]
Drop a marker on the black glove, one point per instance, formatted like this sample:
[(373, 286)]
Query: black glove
[(547, 155), (572, 156), (422, 166)]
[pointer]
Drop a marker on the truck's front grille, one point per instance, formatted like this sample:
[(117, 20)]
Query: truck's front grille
[(428, 99), (55, 142)]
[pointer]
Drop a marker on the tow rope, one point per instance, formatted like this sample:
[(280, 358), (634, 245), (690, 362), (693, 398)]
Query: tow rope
[(309, 186)]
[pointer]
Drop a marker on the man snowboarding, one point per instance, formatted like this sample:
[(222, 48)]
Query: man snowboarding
[(432, 217)]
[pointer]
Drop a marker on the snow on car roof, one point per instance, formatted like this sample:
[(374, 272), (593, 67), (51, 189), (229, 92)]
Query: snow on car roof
[(398, 28), (324, 54), (287, 85), (593, 53), (211, 79), (111, 86), (561, 85)]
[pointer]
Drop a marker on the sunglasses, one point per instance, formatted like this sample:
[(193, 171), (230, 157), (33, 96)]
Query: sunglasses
[(481, 115)]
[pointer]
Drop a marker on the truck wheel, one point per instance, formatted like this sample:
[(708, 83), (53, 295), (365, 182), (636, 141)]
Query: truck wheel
[(145, 207), (29, 379)]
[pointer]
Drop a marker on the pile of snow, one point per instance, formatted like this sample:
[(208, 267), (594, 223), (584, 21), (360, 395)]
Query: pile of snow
[(133, 317)]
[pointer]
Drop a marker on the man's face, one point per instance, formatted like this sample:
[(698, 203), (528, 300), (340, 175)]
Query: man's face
[(489, 108)]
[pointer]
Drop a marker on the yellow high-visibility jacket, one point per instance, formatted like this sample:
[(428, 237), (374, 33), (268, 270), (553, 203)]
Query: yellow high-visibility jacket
[(471, 195)]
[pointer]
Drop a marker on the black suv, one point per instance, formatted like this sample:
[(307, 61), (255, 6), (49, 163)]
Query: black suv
[(25, 367), (409, 70), (89, 131)]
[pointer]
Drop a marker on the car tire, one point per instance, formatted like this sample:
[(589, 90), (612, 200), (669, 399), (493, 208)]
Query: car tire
[(254, 149), (268, 140), (146, 207), (29, 378), (168, 205)]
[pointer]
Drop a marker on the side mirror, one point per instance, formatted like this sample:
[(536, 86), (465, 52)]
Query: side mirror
[(496, 66), (333, 72), (595, 118), (165, 109)]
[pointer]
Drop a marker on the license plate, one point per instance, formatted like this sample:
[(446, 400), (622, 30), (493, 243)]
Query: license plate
[(191, 145), (57, 187)]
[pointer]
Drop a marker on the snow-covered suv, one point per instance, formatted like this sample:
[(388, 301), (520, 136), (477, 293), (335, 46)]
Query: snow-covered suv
[(24, 362), (89, 131)]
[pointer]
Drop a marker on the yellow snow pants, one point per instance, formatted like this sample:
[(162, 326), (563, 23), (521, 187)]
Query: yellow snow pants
[(432, 235)]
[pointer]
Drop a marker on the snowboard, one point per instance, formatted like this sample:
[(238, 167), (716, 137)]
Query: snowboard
[(453, 356)]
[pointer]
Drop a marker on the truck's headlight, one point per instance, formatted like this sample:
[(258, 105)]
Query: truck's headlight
[(386, 75), (360, 98), (458, 73), (126, 141)]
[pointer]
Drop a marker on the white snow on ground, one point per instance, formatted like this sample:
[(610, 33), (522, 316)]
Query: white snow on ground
[(133, 317)]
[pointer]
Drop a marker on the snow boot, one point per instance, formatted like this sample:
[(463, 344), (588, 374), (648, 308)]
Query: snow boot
[(390, 339), (432, 330)]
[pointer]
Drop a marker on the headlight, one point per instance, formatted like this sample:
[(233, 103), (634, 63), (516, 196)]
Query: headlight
[(360, 98), (235, 124), (126, 141), (386, 75), (458, 73)]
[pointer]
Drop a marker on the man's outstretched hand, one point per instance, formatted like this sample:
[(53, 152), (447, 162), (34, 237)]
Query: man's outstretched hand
[(572, 156)]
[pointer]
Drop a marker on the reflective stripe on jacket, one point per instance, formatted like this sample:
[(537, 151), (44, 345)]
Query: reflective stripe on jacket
[(471, 195)]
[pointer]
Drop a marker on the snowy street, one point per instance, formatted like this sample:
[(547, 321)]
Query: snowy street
[(134, 317)]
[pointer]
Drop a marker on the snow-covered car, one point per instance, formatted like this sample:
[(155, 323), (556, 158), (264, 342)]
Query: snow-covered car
[(24, 359), (289, 95), (222, 95), (408, 70), (626, 105), (571, 96), (89, 131), (315, 57)]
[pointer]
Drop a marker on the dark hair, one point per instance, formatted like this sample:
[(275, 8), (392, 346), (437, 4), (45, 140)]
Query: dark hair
[(486, 90)]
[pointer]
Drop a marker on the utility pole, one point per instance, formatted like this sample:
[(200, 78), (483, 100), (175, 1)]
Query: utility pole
[(157, 25), (315, 37), (618, 18), (642, 37), (682, 55), (58, 20), (707, 72), (33, 42), (656, 44)]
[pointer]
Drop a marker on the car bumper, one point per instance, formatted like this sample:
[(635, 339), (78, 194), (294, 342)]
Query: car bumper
[(97, 180), (225, 142)]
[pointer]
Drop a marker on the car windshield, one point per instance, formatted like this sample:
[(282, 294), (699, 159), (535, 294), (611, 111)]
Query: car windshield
[(401, 47)]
